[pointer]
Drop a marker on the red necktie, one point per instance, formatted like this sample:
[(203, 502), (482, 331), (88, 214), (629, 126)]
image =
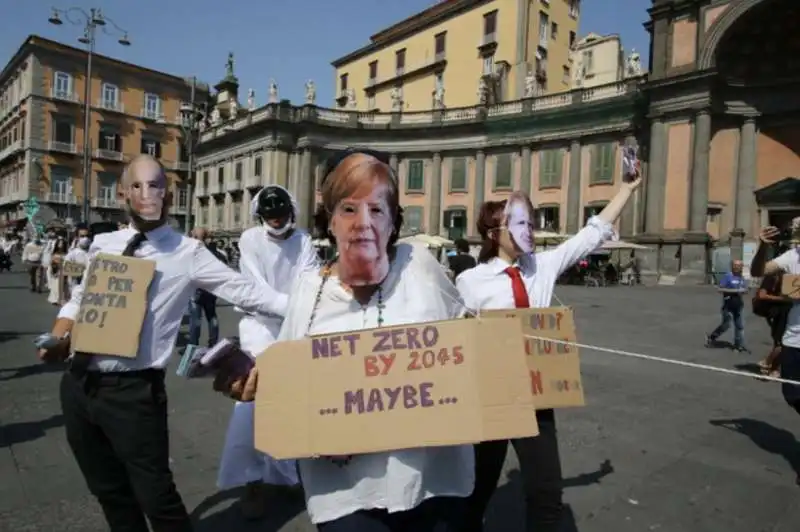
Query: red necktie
[(518, 288)]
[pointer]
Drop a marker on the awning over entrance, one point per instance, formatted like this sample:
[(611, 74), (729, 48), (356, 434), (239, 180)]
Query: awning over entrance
[(785, 192)]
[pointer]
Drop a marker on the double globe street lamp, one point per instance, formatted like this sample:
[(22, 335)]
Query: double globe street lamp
[(193, 114), (90, 20)]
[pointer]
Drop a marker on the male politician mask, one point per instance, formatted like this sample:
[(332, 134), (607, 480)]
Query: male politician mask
[(146, 191), (362, 225), (519, 221)]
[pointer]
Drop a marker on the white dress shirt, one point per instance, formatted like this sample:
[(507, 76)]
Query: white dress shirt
[(276, 263), (32, 252), (487, 286), (416, 290), (47, 253), (789, 262), (182, 265)]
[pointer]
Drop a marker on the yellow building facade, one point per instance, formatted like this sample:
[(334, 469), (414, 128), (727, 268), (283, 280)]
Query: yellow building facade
[(459, 53)]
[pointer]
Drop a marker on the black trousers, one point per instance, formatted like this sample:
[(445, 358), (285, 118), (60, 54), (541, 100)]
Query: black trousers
[(116, 426), (540, 469), (437, 514)]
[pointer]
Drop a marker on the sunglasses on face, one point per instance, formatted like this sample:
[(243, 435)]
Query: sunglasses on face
[(336, 159)]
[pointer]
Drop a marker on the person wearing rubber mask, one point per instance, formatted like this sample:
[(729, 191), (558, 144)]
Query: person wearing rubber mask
[(274, 253), (510, 274)]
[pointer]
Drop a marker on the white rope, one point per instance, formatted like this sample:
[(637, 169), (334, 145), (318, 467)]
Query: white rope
[(652, 358)]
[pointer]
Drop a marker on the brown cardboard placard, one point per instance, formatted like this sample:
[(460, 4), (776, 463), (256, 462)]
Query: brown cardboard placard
[(114, 306), (554, 368), (790, 286), (72, 269), (406, 386)]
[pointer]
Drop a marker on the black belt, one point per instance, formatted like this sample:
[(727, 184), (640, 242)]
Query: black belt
[(107, 378)]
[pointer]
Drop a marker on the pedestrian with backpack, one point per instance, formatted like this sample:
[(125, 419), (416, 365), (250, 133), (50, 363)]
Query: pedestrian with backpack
[(768, 303)]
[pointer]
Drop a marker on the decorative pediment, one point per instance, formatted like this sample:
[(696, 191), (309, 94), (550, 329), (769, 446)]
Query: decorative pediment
[(783, 192)]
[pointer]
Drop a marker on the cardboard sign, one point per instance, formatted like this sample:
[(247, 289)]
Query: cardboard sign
[(72, 269), (408, 386), (554, 368), (790, 286), (114, 306)]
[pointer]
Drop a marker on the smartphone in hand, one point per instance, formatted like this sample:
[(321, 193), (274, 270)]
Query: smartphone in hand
[(630, 161)]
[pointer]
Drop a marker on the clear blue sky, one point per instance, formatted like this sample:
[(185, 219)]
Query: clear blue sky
[(289, 40)]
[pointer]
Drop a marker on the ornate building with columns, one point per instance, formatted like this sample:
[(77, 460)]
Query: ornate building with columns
[(715, 119), (724, 142)]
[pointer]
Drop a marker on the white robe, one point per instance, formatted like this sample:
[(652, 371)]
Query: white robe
[(277, 263)]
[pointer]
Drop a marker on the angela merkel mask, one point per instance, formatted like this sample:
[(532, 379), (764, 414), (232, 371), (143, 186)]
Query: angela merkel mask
[(519, 221)]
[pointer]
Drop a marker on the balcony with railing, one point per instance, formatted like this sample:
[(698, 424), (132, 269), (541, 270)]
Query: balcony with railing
[(178, 166), (109, 155), (60, 197), (66, 96), (620, 93), (111, 105), (152, 114), (179, 206), (11, 149), (107, 202), (63, 147)]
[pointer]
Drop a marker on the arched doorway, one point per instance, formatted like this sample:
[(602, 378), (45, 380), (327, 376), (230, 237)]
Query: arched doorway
[(753, 49)]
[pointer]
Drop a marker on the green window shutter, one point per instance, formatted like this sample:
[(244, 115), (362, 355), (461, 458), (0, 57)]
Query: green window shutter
[(502, 171), (545, 178), (458, 173), (416, 180), (594, 174), (558, 167), (412, 219), (607, 163)]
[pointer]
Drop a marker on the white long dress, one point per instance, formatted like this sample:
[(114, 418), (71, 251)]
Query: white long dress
[(277, 263)]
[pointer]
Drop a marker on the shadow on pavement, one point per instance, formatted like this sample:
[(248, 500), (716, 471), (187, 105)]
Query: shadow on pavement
[(7, 374), (16, 433), (768, 437), (282, 507)]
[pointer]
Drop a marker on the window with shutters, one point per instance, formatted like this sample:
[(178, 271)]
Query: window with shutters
[(151, 146), (415, 181), (412, 219), (603, 163), (550, 168), (502, 171), (458, 174)]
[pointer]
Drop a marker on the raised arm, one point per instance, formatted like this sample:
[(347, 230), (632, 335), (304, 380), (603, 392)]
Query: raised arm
[(598, 229), (213, 276)]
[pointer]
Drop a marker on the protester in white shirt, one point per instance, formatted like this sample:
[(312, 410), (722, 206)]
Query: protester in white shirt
[(32, 257), (788, 262), (47, 279), (115, 408), (79, 254), (275, 252), (373, 282), (510, 275)]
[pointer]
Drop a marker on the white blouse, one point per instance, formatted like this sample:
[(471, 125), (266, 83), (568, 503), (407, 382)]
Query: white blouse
[(416, 290), (487, 286)]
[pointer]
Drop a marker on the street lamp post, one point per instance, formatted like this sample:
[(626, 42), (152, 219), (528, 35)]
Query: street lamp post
[(192, 115), (90, 20)]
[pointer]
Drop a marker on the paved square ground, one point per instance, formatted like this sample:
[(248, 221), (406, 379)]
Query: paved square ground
[(659, 447)]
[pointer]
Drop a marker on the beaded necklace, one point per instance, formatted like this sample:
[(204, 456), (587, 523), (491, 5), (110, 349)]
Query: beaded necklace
[(340, 461)]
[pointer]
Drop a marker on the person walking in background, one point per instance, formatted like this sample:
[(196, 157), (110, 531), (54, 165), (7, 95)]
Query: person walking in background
[(45, 276), (204, 303), (462, 260), (732, 287), (32, 257)]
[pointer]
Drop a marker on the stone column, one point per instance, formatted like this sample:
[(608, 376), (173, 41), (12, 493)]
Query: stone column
[(435, 205), (656, 178), (480, 188), (574, 188), (698, 197), (305, 190), (525, 170), (393, 163), (627, 217), (746, 177)]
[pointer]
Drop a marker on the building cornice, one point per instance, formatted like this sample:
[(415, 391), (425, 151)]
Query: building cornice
[(432, 16)]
